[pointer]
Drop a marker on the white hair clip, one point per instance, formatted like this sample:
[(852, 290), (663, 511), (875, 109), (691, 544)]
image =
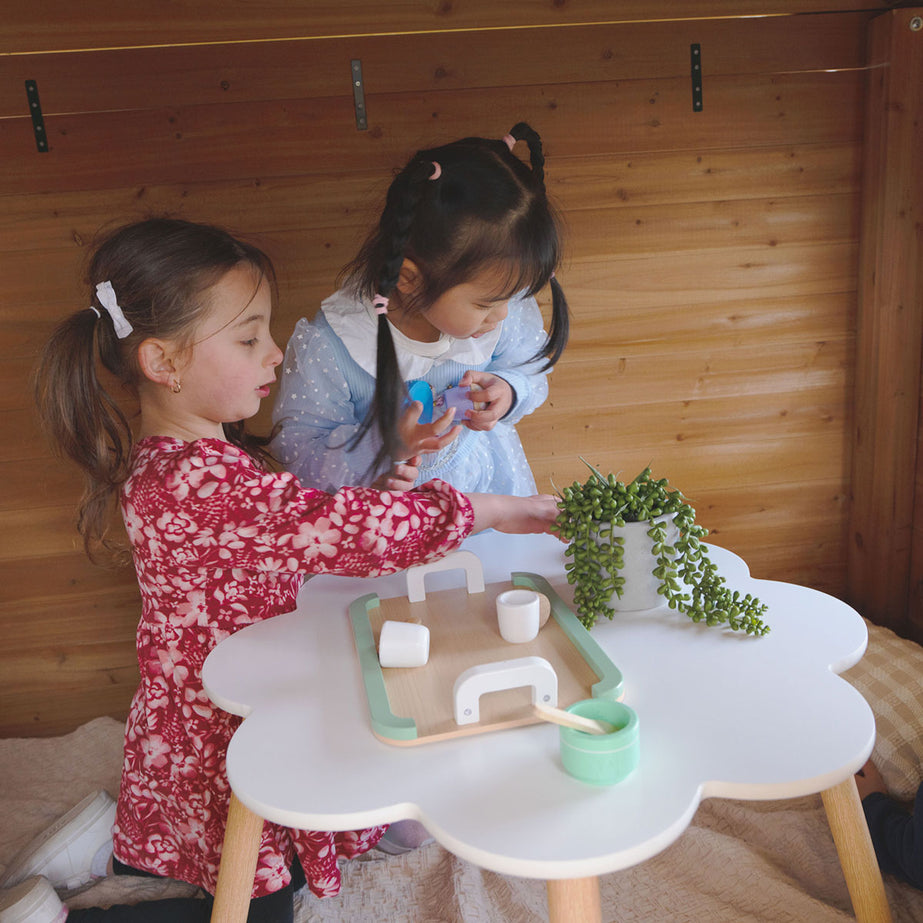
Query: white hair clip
[(106, 295)]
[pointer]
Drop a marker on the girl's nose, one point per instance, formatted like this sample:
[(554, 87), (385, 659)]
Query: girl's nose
[(275, 356)]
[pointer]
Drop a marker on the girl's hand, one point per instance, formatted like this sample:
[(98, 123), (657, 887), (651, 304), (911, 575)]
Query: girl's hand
[(495, 393), (401, 477), (425, 437), (516, 515)]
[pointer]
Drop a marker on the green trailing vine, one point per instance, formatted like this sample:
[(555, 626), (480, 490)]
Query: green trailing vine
[(590, 516)]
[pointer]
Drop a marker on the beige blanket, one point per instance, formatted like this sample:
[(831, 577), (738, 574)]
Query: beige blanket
[(737, 862)]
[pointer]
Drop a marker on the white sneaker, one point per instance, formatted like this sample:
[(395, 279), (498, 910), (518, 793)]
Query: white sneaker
[(64, 853), (32, 901)]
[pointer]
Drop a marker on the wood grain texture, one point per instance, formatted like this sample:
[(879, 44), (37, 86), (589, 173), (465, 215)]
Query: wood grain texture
[(199, 143), (711, 258), (856, 852), (155, 77), (885, 565), (112, 24)]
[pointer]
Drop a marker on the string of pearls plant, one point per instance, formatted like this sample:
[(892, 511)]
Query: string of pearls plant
[(590, 517)]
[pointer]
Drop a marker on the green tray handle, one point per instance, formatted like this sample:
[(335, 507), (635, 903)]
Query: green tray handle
[(384, 722), (610, 684)]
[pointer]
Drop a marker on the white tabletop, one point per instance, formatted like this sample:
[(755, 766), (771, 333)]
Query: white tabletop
[(721, 714)]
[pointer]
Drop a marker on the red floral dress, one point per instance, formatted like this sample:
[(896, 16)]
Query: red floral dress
[(219, 544)]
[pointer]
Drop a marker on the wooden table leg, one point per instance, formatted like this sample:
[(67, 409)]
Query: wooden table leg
[(856, 852), (238, 864), (574, 900)]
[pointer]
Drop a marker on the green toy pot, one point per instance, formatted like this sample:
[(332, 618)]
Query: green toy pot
[(601, 759)]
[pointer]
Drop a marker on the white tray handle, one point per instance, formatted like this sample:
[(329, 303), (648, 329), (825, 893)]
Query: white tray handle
[(503, 674), (466, 560)]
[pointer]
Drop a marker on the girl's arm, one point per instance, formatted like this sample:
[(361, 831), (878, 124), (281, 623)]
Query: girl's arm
[(316, 412), (523, 335), (517, 515), (320, 409), (267, 522)]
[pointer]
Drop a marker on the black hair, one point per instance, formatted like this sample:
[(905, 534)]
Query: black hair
[(454, 210)]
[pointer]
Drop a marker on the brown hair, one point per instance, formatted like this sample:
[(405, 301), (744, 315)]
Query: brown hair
[(159, 269)]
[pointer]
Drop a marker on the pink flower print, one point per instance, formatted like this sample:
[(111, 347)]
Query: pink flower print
[(204, 538), (198, 703), (377, 534), (273, 874), (158, 695), (184, 766), (400, 508), (177, 672), (325, 886), (229, 541), (206, 479), (174, 526), (318, 538), (162, 847), (193, 611), (155, 547), (133, 522), (156, 751)]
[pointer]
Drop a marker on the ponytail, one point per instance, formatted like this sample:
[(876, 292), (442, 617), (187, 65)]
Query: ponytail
[(84, 422), (522, 131), (559, 329)]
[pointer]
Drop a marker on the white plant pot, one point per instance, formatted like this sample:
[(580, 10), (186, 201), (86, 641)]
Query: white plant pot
[(640, 588)]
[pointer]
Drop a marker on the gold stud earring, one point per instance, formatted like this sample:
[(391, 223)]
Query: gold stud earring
[(176, 386)]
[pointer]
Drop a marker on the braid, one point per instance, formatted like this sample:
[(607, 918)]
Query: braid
[(395, 227), (396, 221)]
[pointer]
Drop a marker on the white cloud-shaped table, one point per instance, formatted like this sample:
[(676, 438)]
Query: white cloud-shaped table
[(721, 714)]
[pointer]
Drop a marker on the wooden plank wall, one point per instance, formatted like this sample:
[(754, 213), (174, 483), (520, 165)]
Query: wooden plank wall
[(711, 257), (885, 547)]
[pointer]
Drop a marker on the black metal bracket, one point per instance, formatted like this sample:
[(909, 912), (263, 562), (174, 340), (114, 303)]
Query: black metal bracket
[(38, 121), (362, 122), (695, 55)]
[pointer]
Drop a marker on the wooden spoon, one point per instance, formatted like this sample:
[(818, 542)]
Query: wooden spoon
[(570, 720)]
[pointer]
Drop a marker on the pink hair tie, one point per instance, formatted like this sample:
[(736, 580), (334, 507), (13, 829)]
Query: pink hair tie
[(380, 304), (509, 141), (437, 171)]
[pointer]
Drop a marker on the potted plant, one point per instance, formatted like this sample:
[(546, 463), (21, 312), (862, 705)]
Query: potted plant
[(605, 520)]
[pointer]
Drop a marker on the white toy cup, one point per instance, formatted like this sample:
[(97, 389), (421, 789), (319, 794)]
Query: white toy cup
[(403, 644), (518, 613)]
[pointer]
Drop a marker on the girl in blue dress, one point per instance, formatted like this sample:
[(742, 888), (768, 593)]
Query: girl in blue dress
[(440, 297)]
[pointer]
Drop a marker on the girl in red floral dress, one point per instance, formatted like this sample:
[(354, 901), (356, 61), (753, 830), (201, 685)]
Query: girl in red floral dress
[(181, 317)]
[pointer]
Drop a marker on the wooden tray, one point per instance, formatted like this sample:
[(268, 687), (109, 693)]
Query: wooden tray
[(415, 705)]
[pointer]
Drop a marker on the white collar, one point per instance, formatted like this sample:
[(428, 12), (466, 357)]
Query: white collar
[(356, 324)]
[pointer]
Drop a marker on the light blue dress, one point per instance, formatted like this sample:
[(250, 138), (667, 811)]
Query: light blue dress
[(328, 382)]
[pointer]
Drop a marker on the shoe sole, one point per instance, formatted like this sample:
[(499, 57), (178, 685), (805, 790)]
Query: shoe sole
[(53, 841), (31, 900)]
